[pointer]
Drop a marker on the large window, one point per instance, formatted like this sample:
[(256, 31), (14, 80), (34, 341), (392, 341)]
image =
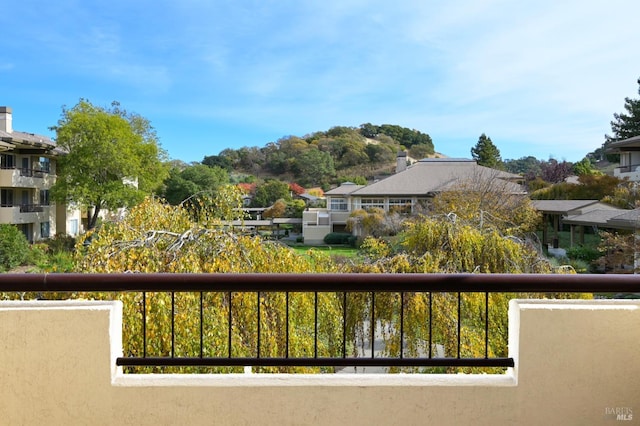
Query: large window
[(339, 204), (400, 205), (371, 203)]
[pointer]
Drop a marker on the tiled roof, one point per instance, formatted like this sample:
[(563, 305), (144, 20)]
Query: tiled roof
[(561, 206), (629, 220), (435, 175), (593, 217), (30, 140), (345, 189), (611, 218)]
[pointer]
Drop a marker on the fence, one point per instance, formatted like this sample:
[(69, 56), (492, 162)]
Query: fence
[(314, 320)]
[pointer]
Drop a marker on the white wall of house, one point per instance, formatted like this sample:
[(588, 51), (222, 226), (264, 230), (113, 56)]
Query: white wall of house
[(629, 166)]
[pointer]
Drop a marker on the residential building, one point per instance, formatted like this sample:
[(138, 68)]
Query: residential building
[(629, 150), (27, 173), (409, 191)]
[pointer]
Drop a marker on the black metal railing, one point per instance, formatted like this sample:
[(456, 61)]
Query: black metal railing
[(39, 173), (32, 208), (370, 295)]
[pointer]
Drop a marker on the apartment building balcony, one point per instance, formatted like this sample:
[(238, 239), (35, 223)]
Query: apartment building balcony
[(24, 213), (16, 177), (569, 361)]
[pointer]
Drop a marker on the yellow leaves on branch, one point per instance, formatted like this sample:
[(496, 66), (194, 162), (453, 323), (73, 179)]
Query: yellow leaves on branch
[(441, 245), (157, 237)]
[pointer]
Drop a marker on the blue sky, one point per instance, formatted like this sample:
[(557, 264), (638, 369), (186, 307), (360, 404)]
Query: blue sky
[(540, 78)]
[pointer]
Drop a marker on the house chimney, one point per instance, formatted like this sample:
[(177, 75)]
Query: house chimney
[(401, 161), (5, 119)]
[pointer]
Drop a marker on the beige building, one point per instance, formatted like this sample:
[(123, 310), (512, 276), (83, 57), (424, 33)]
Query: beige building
[(27, 173), (408, 191), (629, 150)]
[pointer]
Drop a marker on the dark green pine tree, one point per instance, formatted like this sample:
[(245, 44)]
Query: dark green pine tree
[(624, 125), (486, 153), (627, 124)]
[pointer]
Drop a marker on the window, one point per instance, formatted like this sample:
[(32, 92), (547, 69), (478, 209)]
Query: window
[(6, 198), (45, 164), (400, 205), (339, 204), (73, 227), (44, 229), (44, 197), (372, 203), (7, 161)]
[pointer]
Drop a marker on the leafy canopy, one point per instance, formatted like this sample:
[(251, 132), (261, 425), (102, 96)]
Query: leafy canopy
[(193, 179), (113, 159)]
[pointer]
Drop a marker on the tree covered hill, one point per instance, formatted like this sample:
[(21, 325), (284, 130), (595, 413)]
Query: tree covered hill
[(324, 157)]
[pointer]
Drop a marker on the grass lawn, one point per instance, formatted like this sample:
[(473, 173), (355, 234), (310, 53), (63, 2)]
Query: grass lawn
[(343, 251)]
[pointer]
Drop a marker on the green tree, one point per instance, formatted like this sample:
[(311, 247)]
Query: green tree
[(585, 167), (486, 153), (218, 161), (314, 167), (626, 124), (381, 153), (194, 179), (527, 166), (269, 192), (14, 247), (623, 126), (113, 158), (404, 136), (420, 151)]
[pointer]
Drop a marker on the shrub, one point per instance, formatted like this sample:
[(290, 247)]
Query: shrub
[(580, 266), (587, 254), (61, 242), (337, 238), (38, 254), (14, 247)]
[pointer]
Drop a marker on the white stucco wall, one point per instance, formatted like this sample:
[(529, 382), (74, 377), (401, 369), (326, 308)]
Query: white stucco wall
[(575, 362)]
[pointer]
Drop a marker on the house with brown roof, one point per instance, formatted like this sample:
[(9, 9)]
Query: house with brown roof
[(579, 214), (409, 191)]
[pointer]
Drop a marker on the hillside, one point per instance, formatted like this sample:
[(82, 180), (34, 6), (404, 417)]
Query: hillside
[(326, 157)]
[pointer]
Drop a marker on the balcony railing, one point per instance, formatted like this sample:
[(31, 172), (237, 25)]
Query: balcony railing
[(27, 208), (24, 172), (27, 172), (255, 308), (32, 208)]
